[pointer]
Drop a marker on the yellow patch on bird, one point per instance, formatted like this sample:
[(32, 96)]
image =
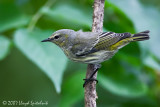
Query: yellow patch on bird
[(63, 43), (66, 36), (120, 43), (66, 52)]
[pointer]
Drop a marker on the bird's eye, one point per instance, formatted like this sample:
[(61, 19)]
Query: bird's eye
[(56, 37)]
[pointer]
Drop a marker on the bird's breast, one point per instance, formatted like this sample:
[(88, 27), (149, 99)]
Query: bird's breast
[(93, 58)]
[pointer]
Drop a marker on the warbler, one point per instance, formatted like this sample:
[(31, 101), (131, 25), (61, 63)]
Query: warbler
[(92, 47)]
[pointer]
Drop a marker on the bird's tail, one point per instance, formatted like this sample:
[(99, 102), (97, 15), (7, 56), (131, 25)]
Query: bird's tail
[(141, 36)]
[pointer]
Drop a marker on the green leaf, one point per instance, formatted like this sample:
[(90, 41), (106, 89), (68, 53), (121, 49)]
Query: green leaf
[(124, 82), (46, 56), (72, 90), (4, 47), (149, 61), (69, 16), (115, 20), (11, 17), (144, 18)]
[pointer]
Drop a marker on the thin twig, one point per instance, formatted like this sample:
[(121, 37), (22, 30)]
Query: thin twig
[(39, 14), (97, 26)]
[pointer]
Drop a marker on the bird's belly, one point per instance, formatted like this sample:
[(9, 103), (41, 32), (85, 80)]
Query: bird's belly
[(96, 57)]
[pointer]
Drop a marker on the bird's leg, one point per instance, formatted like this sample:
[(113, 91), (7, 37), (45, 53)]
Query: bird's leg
[(96, 67)]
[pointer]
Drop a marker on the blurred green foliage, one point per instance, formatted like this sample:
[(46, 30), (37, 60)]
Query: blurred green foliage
[(30, 70)]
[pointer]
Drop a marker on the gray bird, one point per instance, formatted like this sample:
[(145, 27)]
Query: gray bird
[(90, 47)]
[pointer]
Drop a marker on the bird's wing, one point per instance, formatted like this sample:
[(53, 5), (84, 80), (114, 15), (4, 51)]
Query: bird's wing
[(89, 43), (84, 42), (107, 39)]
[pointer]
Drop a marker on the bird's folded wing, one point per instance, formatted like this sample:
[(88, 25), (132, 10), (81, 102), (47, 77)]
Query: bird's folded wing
[(107, 39), (90, 43), (84, 42)]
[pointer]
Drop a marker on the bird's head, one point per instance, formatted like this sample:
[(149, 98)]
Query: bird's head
[(60, 37)]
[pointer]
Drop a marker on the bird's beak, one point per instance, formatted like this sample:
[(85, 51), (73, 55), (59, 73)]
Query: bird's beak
[(46, 40)]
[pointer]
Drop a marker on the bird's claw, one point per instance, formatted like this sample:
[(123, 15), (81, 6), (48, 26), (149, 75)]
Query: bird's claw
[(86, 81), (91, 78)]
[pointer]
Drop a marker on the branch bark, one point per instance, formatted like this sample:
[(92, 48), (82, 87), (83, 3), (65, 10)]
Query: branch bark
[(97, 26)]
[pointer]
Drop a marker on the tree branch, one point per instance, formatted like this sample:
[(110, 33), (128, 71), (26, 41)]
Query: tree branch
[(39, 14), (97, 26)]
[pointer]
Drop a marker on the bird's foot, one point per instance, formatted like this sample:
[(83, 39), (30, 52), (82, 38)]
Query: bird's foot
[(86, 81), (91, 78)]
